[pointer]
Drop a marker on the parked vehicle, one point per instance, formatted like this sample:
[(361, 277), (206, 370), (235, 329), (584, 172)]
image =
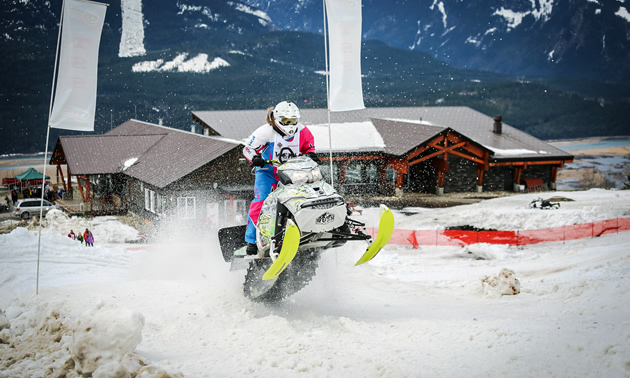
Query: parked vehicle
[(29, 207)]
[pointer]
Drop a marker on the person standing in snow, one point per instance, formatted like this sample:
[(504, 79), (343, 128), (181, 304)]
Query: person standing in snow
[(281, 138), (89, 240), (72, 236), (86, 233)]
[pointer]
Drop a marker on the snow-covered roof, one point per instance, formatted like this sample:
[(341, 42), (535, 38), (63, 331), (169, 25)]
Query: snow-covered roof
[(394, 131), (365, 137)]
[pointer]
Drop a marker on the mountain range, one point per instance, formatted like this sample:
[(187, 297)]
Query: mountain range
[(576, 38), (160, 60)]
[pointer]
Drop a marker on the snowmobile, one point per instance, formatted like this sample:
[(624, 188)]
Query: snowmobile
[(540, 203), (300, 219)]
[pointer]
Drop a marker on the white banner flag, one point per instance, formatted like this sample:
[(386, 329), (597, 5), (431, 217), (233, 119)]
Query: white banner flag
[(344, 25), (75, 95)]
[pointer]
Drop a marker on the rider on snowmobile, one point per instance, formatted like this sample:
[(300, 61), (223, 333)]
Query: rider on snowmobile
[(280, 139)]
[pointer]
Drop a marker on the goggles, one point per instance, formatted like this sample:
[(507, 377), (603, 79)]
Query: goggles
[(288, 121)]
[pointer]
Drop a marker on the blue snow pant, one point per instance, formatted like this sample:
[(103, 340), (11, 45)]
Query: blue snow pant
[(266, 181)]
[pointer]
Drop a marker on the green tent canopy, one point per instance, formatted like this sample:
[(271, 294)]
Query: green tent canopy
[(30, 174)]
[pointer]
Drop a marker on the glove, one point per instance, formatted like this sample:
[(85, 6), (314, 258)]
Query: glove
[(258, 161), (313, 156)]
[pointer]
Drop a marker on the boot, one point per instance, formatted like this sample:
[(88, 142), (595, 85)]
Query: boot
[(252, 249)]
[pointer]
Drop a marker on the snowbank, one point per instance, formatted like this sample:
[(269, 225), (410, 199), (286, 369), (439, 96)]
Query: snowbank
[(175, 309)]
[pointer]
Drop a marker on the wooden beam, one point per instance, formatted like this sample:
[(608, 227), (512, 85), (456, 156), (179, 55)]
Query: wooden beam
[(442, 151), (69, 179), (480, 171), (417, 152), (89, 192), (440, 176), (476, 160), (342, 172), (399, 180), (468, 146), (486, 164), (60, 173), (398, 165), (517, 174), (523, 163), (81, 189), (554, 173)]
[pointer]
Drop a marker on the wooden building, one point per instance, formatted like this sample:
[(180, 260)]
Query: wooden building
[(157, 172), (420, 149)]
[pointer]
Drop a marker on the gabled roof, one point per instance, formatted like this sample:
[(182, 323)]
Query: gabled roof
[(161, 155), (397, 128), (103, 154), (402, 137)]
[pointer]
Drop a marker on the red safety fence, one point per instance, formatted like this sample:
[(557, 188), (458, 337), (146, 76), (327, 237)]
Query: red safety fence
[(416, 238)]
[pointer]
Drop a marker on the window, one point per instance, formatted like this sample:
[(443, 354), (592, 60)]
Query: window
[(153, 202), (147, 199), (159, 204), (235, 212), (186, 208)]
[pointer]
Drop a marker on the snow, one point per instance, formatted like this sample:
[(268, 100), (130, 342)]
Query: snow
[(513, 152), (364, 136), (440, 6), (198, 64), (541, 10), (173, 308), (514, 19), (623, 13), (413, 121), (263, 18), (128, 163)]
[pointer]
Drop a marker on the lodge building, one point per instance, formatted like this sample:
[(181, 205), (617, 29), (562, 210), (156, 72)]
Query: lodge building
[(161, 172), (437, 150)]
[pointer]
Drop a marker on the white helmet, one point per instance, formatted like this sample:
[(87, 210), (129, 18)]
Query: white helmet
[(285, 117)]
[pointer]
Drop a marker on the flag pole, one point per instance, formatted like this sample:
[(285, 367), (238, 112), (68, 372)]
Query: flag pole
[(328, 95), (52, 91)]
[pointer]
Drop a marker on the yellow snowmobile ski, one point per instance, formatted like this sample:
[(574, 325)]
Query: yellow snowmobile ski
[(385, 230), (290, 245)]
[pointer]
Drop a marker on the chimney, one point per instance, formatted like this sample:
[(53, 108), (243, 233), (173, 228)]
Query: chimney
[(498, 126)]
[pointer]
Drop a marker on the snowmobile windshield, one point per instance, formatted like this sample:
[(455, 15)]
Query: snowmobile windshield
[(299, 170)]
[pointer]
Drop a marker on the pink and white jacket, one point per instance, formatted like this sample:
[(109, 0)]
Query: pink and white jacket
[(272, 146)]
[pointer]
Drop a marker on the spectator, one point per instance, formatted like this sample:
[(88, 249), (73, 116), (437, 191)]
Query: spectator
[(72, 235), (14, 196), (89, 240), (80, 237), (85, 236)]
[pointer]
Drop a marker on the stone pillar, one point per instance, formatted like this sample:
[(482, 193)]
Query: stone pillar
[(479, 188), (439, 190)]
